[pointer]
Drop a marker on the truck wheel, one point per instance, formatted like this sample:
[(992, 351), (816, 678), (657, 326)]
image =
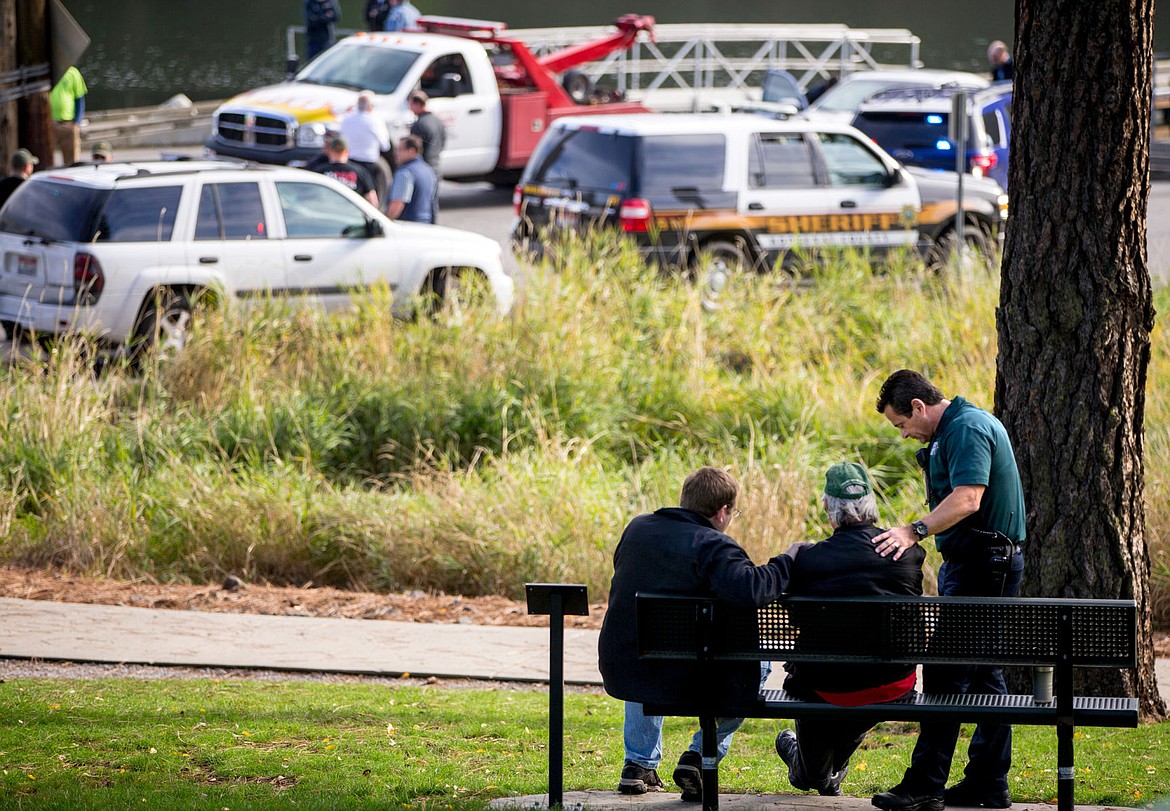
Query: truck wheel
[(451, 292), (578, 85), (942, 252), (719, 263), (164, 325)]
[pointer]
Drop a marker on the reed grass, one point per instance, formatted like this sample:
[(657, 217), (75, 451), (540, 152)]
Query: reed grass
[(472, 454)]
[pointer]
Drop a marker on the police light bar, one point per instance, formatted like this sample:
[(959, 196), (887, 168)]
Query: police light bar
[(461, 26)]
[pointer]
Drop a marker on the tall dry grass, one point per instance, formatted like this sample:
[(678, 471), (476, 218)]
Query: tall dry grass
[(473, 455)]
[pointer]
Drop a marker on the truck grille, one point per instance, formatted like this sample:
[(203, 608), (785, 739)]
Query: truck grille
[(263, 131)]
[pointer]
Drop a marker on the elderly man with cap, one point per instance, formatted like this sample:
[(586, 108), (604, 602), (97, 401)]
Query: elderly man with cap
[(843, 565), (21, 163)]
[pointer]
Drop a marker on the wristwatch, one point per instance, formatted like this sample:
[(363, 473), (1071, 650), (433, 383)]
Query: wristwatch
[(920, 529)]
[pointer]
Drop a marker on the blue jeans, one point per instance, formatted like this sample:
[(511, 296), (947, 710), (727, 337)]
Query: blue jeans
[(989, 755), (643, 733)]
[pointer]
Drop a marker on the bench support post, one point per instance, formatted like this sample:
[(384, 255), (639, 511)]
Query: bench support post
[(1065, 768), (709, 724), (556, 600)]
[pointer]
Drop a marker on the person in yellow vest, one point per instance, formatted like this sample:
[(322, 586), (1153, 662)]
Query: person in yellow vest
[(67, 101)]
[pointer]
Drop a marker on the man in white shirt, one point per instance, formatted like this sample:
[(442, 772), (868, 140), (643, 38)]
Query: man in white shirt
[(368, 138)]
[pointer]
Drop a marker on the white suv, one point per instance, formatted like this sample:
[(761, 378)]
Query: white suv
[(122, 250)]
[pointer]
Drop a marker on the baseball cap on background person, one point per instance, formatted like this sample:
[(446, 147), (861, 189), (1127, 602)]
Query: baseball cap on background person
[(847, 480), (22, 158), (102, 151)]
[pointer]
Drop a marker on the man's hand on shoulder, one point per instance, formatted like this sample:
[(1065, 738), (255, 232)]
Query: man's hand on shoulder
[(896, 541), (794, 550)]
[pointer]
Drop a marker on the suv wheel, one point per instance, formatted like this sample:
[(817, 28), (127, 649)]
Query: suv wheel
[(164, 326), (452, 292), (942, 252), (719, 263)]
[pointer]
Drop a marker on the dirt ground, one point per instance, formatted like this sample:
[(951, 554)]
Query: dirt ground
[(36, 584)]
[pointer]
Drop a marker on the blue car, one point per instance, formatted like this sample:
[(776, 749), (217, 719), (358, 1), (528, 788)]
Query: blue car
[(913, 125)]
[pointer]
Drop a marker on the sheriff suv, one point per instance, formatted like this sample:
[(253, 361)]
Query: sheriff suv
[(120, 251), (741, 191)]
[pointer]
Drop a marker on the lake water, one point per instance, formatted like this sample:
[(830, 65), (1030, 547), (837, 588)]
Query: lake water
[(145, 52)]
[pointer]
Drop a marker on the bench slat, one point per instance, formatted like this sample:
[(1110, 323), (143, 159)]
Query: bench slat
[(1096, 711)]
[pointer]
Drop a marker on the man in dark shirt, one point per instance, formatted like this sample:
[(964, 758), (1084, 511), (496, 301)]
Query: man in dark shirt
[(21, 163), (429, 129), (682, 550), (843, 565), (345, 171)]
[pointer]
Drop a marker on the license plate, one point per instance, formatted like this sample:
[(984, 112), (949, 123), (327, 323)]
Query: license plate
[(26, 265)]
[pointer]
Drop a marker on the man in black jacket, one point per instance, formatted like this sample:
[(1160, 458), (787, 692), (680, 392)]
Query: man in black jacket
[(843, 565), (682, 550)]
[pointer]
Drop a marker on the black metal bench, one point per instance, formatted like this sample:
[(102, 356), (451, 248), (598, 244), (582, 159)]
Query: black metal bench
[(1059, 633)]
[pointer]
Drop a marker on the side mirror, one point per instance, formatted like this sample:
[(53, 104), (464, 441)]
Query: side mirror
[(449, 85), (893, 178), (374, 228)]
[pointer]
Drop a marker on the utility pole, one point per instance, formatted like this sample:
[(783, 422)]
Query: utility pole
[(8, 143), (34, 117)]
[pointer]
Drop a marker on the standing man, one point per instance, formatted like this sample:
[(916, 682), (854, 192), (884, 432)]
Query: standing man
[(368, 138), (414, 195), (376, 13), (429, 129), (320, 18), (680, 549), (346, 172), (21, 164), (403, 16), (1000, 62), (67, 103), (977, 517), (843, 565)]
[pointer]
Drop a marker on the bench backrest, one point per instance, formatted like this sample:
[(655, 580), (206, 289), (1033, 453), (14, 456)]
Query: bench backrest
[(976, 630)]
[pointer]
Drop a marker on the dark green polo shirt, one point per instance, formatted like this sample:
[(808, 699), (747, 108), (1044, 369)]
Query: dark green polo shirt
[(971, 447)]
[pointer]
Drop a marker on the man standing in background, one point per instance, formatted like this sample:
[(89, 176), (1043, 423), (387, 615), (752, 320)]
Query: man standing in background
[(429, 129), (22, 164), (320, 17), (67, 102), (368, 138), (403, 16), (415, 191)]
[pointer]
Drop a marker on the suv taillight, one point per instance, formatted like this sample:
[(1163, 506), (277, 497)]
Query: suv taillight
[(88, 279), (517, 198), (982, 164), (635, 215)]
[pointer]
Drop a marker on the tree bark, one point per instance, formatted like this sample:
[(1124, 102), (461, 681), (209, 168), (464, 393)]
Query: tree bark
[(1076, 307)]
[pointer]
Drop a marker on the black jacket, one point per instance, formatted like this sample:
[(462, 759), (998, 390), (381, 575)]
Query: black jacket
[(846, 565), (677, 551)]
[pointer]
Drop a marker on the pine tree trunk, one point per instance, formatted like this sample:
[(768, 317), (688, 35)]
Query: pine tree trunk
[(1076, 307)]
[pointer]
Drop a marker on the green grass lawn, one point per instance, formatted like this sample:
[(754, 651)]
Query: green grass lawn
[(257, 745)]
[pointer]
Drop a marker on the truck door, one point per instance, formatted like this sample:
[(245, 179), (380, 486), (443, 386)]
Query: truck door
[(873, 205), (469, 108)]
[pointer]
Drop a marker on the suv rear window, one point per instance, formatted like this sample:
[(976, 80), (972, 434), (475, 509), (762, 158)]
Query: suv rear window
[(587, 159), (139, 215), (62, 212)]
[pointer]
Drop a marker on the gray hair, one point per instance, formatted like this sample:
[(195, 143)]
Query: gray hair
[(843, 512)]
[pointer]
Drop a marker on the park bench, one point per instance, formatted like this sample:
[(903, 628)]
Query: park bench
[(1063, 634)]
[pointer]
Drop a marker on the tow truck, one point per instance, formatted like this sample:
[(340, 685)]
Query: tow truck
[(493, 94)]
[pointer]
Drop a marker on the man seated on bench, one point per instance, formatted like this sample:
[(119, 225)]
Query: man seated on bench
[(843, 565), (683, 550)]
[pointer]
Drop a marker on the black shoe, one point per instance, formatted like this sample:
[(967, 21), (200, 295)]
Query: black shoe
[(967, 794), (638, 780), (688, 776), (832, 788), (789, 751), (899, 799)]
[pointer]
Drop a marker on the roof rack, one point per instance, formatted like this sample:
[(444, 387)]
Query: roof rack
[(917, 93)]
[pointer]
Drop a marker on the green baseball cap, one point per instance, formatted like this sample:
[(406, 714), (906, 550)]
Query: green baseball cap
[(847, 480), (22, 157)]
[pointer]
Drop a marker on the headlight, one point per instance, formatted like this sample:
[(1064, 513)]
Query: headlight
[(312, 135), (1001, 203)]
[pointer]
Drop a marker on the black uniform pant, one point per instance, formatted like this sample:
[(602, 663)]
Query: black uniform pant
[(825, 748), (990, 754)]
